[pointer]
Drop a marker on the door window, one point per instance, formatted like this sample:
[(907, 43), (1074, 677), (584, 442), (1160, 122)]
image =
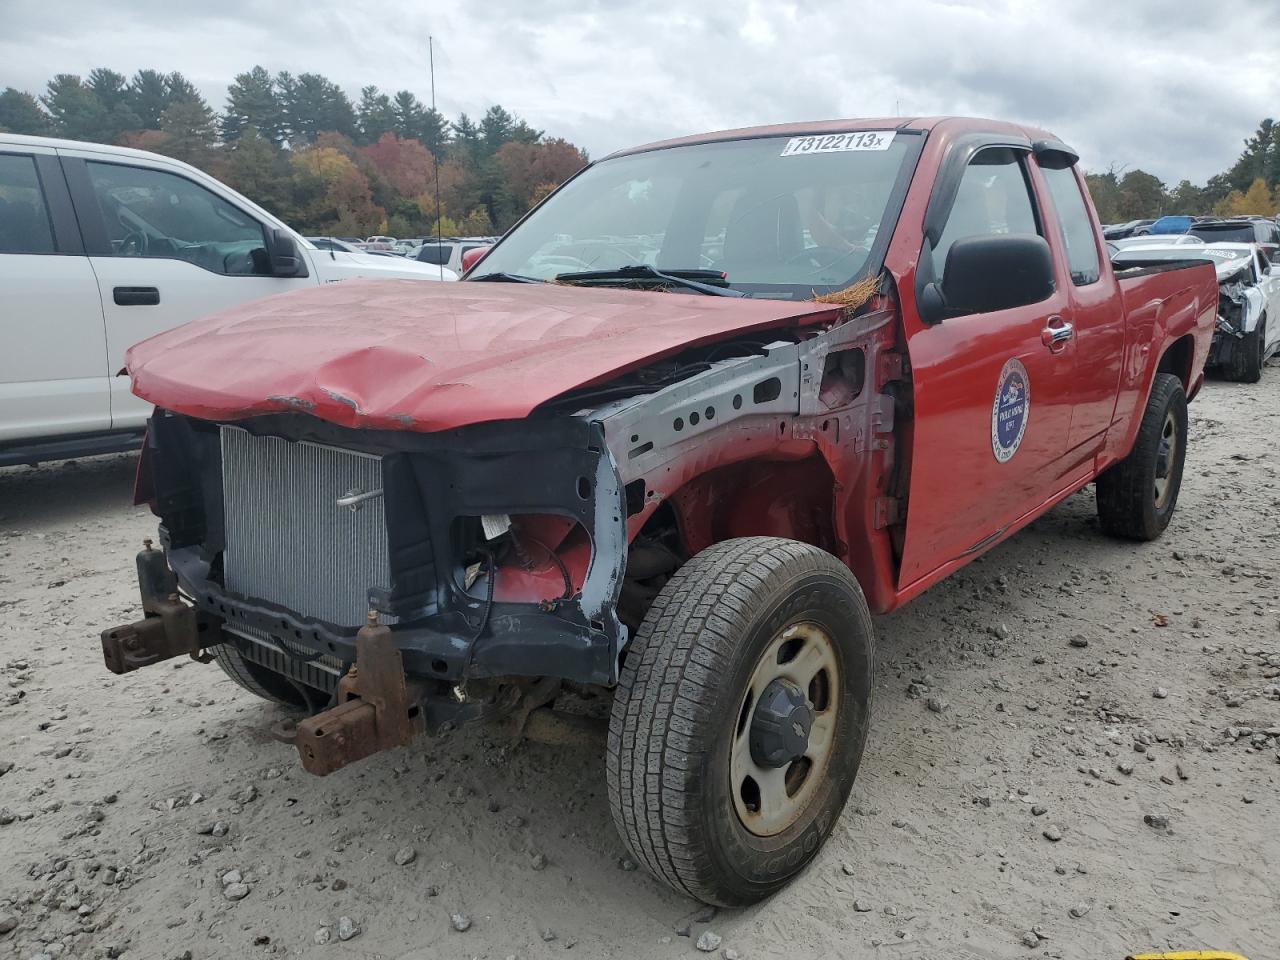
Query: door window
[(24, 215), (994, 197), (1076, 225), (151, 213)]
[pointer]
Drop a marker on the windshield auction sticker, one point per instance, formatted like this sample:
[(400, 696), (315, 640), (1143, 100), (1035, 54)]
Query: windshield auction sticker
[(838, 143), (1011, 409)]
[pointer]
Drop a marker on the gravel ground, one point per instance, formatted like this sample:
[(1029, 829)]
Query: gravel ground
[(1073, 754)]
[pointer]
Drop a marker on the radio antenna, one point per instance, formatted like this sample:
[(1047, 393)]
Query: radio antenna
[(431, 54)]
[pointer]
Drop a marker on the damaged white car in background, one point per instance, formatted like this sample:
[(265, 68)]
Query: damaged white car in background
[(1248, 330)]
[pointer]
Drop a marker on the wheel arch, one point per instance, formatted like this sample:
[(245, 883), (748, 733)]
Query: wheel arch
[(789, 498), (1178, 359)]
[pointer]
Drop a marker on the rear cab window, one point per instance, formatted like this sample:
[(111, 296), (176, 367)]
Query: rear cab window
[(25, 226), (1075, 225)]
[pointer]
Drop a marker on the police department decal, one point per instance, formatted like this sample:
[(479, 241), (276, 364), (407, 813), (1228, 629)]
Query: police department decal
[(1010, 411)]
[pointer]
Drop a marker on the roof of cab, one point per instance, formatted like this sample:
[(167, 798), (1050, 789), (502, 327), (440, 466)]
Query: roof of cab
[(953, 125), (107, 149)]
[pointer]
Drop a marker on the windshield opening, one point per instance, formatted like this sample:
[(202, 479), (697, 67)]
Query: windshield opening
[(778, 220)]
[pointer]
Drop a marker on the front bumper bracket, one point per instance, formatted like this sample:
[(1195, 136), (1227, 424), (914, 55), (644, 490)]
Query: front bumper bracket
[(377, 708), (170, 628)]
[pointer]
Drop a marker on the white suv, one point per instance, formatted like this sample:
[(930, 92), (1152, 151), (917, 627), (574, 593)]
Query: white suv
[(103, 246)]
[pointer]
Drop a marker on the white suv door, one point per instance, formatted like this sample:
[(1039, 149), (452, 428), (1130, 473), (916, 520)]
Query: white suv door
[(166, 249), (53, 362)]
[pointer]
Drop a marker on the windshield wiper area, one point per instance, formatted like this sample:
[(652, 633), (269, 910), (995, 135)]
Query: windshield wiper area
[(504, 278), (710, 282)]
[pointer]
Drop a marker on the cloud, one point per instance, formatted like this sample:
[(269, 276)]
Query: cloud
[(1171, 88)]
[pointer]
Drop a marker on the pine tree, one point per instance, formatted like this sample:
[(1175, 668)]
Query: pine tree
[(190, 128), (376, 115), (410, 116), (177, 87), (148, 96), (77, 113), (1259, 158), (20, 112), (495, 129), (259, 169), (252, 101), (434, 134), (466, 140), (312, 105)]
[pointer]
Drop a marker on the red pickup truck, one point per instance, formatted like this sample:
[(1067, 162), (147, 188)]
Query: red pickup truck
[(679, 434)]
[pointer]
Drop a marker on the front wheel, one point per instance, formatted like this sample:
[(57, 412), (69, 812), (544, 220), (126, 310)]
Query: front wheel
[(256, 678), (740, 718), (1136, 497), (1245, 363)]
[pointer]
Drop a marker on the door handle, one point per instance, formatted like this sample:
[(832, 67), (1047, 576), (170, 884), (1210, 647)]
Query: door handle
[(136, 296), (1056, 335)]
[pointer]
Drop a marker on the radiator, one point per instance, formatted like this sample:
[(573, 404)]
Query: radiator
[(287, 541)]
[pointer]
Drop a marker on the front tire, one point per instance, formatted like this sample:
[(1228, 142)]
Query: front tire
[(257, 679), (1137, 496), (740, 718), (1245, 363)]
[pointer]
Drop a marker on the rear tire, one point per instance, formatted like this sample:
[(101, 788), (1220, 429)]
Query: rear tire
[(1137, 496), (256, 678), (1245, 363), (702, 699)]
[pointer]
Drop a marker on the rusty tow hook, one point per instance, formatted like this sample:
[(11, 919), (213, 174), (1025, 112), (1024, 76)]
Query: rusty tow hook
[(170, 627), (377, 708)]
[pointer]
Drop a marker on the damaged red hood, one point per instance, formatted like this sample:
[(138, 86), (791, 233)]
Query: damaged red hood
[(410, 355)]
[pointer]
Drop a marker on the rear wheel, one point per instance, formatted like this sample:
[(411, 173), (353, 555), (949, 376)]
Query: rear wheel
[(1245, 363), (1137, 496), (740, 718), (256, 678)]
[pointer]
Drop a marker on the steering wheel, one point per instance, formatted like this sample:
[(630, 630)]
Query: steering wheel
[(564, 263), (134, 244)]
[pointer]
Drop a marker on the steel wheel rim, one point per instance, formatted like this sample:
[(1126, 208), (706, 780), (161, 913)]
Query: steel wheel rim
[(805, 655), (1166, 456)]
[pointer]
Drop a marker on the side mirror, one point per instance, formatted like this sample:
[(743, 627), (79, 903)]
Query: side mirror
[(283, 258), (989, 273), (473, 256)]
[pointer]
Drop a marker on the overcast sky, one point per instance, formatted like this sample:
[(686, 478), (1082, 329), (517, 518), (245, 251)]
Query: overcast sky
[(1170, 86)]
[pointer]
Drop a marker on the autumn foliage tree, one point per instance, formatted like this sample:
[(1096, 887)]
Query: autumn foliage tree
[(1258, 199), (532, 170), (406, 165)]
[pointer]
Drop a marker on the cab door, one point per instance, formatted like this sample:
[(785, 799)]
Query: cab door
[(166, 249), (53, 376), (992, 391)]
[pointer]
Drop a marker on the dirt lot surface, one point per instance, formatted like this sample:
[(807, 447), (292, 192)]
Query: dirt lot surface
[(1073, 754)]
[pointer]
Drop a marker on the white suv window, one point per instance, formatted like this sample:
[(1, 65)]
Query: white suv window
[(24, 216), (435, 254), (151, 213)]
